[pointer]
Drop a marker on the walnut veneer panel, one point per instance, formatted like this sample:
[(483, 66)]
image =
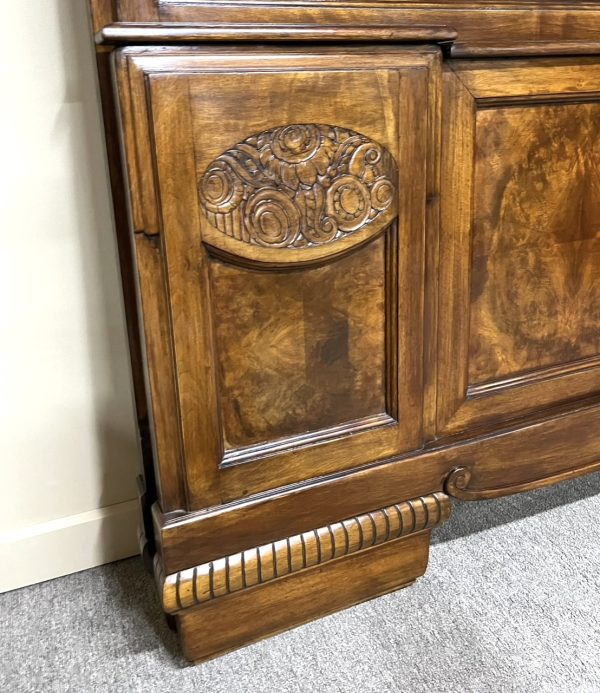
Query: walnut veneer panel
[(535, 282), (519, 251), (292, 350)]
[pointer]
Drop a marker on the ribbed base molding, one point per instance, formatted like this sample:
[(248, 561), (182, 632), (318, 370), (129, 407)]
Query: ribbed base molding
[(241, 618), (242, 597)]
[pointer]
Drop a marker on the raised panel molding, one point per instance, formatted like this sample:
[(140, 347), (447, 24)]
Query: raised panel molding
[(350, 259), (298, 186)]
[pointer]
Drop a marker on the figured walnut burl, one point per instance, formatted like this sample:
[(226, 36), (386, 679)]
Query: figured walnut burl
[(298, 186)]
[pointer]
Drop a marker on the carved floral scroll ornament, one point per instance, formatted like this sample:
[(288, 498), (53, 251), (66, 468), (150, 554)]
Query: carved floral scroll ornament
[(298, 186)]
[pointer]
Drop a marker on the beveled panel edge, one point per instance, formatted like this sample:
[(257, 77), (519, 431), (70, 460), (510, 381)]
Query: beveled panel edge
[(523, 49), (144, 33), (495, 81), (261, 451), (534, 376), (261, 564)]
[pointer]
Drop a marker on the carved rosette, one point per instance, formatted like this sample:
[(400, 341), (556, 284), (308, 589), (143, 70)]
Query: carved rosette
[(299, 186)]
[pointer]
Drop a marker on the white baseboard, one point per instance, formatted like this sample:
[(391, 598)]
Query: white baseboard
[(68, 545)]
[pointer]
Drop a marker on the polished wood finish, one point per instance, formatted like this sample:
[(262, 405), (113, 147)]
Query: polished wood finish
[(457, 483), (244, 617), (535, 258), (281, 379), (500, 20), (317, 547), (239, 336), (521, 454), (288, 193), (520, 49), (123, 33), (519, 248), (365, 246)]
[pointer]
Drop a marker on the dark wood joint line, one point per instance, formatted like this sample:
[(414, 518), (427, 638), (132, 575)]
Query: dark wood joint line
[(260, 564), (151, 237)]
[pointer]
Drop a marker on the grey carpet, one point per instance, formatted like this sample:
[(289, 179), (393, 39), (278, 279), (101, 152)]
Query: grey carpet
[(511, 602)]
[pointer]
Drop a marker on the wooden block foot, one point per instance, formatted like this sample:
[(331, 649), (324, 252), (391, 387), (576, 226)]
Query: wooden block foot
[(238, 599), (250, 615)]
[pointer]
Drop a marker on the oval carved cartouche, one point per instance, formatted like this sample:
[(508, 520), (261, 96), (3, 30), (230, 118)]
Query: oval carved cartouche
[(298, 186)]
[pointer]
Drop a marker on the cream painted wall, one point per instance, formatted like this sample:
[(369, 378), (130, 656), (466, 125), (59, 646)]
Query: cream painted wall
[(68, 448)]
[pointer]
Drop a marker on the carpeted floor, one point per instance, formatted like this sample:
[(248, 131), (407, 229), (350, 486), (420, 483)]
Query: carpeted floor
[(511, 602)]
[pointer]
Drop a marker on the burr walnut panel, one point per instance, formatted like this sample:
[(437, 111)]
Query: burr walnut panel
[(535, 282), (520, 244), (300, 350)]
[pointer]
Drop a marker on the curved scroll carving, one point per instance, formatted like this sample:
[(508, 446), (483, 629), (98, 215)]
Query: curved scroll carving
[(299, 186), (457, 482), (459, 478)]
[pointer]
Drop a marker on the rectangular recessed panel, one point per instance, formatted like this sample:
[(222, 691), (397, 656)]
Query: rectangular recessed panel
[(535, 282), (299, 350)]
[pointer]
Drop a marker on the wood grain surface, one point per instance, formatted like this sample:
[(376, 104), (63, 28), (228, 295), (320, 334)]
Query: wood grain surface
[(244, 617), (301, 354), (503, 20), (300, 350), (366, 272), (519, 261), (135, 32), (317, 547), (535, 282), (523, 453)]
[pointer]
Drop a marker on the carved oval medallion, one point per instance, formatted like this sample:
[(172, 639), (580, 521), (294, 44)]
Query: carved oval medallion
[(298, 188)]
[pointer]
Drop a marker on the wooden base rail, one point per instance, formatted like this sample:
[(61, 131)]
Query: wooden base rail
[(261, 564)]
